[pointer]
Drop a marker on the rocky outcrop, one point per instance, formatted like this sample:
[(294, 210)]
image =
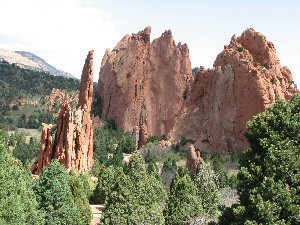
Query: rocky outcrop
[(246, 79), (193, 159), (71, 140), (150, 86), (143, 84), (56, 97)]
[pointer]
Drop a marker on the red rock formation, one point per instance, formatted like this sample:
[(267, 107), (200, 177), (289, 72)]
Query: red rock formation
[(73, 139), (150, 85), (247, 77), (193, 159), (55, 96), (144, 84)]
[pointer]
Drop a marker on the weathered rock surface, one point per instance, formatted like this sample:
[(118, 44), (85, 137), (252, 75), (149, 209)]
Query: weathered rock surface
[(71, 140), (150, 86), (144, 84), (56, 96), (246, 79), (193, 159)]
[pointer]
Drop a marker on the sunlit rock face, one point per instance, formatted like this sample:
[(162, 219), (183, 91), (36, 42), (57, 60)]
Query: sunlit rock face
[(144, 83), (148, 87), (71, 140)]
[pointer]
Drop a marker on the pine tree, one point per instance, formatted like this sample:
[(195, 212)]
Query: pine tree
[(80, 198), (136, 198), (206, 182), (18, 204), (55, 197), (269, 178), (106, 182), (183, 203)]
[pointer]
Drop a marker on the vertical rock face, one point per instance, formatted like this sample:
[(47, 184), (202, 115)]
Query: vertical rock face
[(150, 86), (247, 77), (71, 141), (144, 84)]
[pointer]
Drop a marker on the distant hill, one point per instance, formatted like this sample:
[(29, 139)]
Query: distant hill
[(44, 65), (28, 60), (23, 90), (19, 60)]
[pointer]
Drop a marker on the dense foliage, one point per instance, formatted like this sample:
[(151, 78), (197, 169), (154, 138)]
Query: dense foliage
[(269, 178), (27, 152), (19, 80), (109, 146), (136, 198), (18, 204), (22, 91), (183, 203), (107, 179), (80, 197), (55, 197), (206, 182)]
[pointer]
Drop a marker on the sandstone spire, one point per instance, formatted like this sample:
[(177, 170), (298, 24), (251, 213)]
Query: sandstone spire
[(71, 140)]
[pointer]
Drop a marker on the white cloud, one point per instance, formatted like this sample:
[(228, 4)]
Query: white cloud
[(62, 32)]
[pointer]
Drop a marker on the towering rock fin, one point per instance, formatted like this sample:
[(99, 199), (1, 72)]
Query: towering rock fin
[(71, 140)]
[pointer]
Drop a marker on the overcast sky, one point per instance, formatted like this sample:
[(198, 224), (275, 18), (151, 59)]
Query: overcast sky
[(63, 31)]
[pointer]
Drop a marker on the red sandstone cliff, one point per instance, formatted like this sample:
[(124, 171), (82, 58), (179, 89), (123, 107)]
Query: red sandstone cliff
[(247, 77), (150, 86), (71, 140), (143, 84)]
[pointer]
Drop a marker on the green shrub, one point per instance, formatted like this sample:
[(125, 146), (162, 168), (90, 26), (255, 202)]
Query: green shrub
[(268, 181), (136, 198), (55, 197), (27, 152), (80, 197), (240, 49), (18, 204), (126, 144), (156, 139), (183, 203), (206, 182), (153, 152), (88, 184), (106, 182)]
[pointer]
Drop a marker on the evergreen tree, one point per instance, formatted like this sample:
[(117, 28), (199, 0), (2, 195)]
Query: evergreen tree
[(206, 182), (136, 198), (269, 178), (55, 196), (183, 203), (106, 182), (80, 198), (18, 204), (26, 152)]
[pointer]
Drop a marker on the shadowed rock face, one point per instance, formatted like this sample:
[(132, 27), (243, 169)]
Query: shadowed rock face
[(149, 85), (71, 140)]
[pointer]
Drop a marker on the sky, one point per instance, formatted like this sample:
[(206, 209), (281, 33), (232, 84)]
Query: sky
[(63, 31)]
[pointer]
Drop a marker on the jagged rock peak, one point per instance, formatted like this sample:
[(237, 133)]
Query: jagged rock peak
[(256, 45), (86, 84), (71, 140), (246, 79), (142, 84)]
